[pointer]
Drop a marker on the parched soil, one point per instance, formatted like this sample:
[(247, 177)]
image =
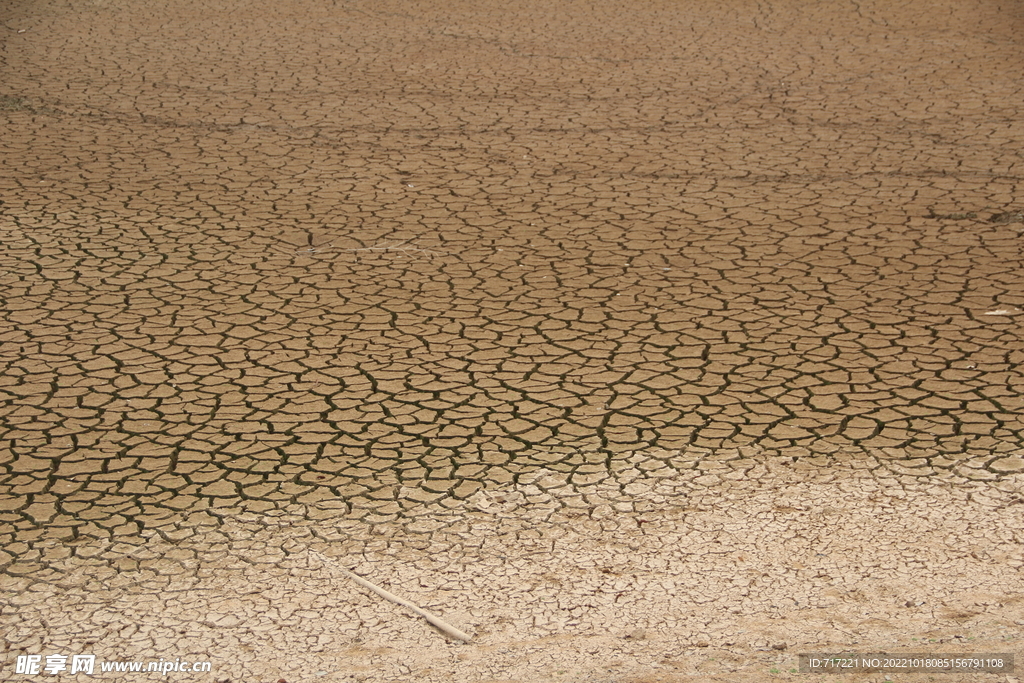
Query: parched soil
[(649, 341)]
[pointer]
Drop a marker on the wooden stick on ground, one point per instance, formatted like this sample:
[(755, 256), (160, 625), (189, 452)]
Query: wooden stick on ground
[(442, 625)]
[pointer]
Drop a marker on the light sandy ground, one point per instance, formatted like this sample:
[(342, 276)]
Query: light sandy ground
[(719, 573)]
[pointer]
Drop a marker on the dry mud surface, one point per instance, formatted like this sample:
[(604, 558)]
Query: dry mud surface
[(651, 341)]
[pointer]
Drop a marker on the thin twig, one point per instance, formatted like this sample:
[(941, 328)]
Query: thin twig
[(384, 246), (444, 627)]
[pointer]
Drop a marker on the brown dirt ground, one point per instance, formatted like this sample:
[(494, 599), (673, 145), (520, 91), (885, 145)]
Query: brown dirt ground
[(649, 341)]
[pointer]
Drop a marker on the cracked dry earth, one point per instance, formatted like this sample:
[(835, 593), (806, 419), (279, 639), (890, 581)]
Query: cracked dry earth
[(643, 341)]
